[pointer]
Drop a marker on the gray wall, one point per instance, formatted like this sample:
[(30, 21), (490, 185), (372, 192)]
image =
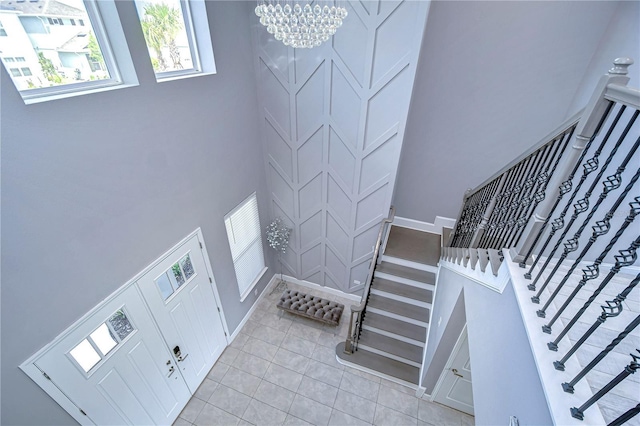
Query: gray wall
[(96, 187), (493, 78), (505, 377), (333, 120)]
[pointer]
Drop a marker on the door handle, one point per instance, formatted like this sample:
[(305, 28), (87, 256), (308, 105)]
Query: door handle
[(182, 358), (455, 372), (171, 371), (178, 354)]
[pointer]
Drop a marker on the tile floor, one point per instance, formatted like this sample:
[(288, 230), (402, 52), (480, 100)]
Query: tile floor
[(281, 370)]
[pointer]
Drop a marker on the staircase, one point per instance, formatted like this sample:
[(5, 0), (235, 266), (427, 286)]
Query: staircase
[(396, 319)]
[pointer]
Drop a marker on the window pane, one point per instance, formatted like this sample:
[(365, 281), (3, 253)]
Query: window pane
[(187, 267), (121, 324), (163, 25), (56, 52), (177, 275), (249, 265), (85, 355), (163, 283), (103, 339)]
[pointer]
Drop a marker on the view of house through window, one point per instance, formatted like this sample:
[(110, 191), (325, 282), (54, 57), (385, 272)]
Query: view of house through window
[(45, 43), (166, 25)]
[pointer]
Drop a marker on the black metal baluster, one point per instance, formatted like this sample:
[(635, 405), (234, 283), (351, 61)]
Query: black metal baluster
[(525, 198), (564, 187), (588, 167), (601, 228), (578, 413), (624, 258), (543, 181), (502, 200), (625, 417), (568, 387), (592, 271)]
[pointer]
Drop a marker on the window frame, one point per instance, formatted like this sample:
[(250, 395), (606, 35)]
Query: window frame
[(108, 31), (196, 25), (244, 293)]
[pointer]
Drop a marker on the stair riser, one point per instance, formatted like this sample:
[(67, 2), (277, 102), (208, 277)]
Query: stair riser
[(409, 264), (401, 298), (388, 355), (405, 281), (398, 317), (393, 335)]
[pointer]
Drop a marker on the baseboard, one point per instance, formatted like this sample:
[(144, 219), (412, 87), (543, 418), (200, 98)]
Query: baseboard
[(267, 288), (435, 228), (318, 287)]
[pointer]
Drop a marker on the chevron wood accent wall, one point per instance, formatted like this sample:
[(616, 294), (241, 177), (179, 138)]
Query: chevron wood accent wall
[(333, 124)]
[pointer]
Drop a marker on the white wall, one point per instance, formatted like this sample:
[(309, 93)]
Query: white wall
[(333, 120), (94, 188), (505, 377), (493, 78)]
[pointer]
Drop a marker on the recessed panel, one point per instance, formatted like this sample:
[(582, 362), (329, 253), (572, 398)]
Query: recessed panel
[(380, 163), (341, 159), (306, 61), (349, 42), (336, 267), (278, 149), (364, 243), (345, 106), (387, 6), (388, 107), (372, 207), (338, 201), (310, 197), (310, 259), (394, 38), (315, 278), (310, 103), (281, 190), (276, 53), (120, 395), (338, 237), (311, 230), (275, 98), (359, 273), (329, 282), (310, 157)]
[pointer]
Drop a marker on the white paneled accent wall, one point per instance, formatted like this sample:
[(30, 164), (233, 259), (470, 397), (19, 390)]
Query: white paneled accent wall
[(333, 124)]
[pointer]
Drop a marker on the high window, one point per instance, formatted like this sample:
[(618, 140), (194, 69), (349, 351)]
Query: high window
[(245, 241), (177, 37), (63, 59)]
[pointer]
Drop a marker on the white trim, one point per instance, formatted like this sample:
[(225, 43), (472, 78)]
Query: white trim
[(426, 342), (255, 282), (377, 374), (447, 366), (409, 263), (403, 299), (398, 317), (402, 280), (246, 317), (435, 228), (388, 355), (393, 335), (318, 287), (421, 392), (486, 278)]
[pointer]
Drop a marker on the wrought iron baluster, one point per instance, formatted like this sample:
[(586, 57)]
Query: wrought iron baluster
[(540, 193), (592, 271), (624, 258), (583, 204), (500, 201), (626, 416), (588, 167), (564, 188), (601, 228), (578, 413), (524, 198), (568, 387)]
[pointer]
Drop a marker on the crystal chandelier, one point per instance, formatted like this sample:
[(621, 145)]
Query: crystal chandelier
[(300, 26)]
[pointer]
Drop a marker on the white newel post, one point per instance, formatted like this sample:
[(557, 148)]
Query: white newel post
[(595, 109)]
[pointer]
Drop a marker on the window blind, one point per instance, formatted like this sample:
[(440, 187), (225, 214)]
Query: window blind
[(245, 241)]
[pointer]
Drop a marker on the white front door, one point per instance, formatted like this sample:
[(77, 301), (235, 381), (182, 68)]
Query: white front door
[(178, 290), (455, 388), (115, 366)]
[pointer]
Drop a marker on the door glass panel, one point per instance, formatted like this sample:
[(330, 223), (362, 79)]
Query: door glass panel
[(177, 274), (85, 355), (120, 324), (163, 283), (104, 340), (187, 267)]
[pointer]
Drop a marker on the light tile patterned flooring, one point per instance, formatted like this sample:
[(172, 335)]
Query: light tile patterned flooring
[(281, 370)]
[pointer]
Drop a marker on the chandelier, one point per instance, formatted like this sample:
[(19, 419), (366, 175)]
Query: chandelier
[(300, 26)]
